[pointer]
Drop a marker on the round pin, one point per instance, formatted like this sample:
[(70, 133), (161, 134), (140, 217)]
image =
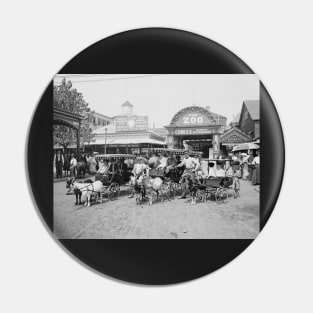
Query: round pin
[(155, 178)]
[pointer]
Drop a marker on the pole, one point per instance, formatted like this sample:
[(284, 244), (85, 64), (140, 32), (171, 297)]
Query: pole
[(105, 141), (78, 142)]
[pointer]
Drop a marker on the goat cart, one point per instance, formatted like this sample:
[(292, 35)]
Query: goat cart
[(111, 187), (118, 174), (218, 187)]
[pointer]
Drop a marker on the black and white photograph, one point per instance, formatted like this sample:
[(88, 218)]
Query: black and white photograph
[(156, 156), (125, 192)]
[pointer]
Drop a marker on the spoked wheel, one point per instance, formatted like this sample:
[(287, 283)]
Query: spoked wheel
[(166, 191), (221, 195), (173, 190), (236, 189), (114, 191), (178, 187), (201, 195)]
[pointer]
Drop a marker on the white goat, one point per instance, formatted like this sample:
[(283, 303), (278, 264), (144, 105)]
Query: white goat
[(88, 189)]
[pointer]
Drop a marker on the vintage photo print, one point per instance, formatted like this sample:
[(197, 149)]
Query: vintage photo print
[(156, 156)]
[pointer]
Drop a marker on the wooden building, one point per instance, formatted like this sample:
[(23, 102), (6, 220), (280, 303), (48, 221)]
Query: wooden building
[(249, 121)]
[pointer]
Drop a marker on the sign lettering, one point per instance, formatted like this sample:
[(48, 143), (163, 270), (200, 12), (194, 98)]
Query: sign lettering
[(193, 131), (193, 119), (131, 123)]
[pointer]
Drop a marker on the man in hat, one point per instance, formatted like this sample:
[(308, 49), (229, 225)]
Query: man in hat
[(191, 166), (58, 162)]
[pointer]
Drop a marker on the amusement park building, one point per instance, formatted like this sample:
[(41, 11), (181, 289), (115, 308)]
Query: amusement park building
[(198, 129), (129, 133), (194, 128)]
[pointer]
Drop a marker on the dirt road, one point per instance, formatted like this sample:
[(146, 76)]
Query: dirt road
[(176, 219)]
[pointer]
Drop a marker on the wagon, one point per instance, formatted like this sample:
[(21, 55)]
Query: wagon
[(111, 188), (112, 181), (218, 187)]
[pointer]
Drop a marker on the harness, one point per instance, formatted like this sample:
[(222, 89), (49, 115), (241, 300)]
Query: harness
[(93, 188)]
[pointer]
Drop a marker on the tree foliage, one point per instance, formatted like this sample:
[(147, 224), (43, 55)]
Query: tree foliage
[(69, 99)]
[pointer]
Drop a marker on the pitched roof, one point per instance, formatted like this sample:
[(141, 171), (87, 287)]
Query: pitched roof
[(234, 133), (253, 107)]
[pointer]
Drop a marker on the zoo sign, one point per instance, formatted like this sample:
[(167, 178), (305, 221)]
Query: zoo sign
[(193, 119)]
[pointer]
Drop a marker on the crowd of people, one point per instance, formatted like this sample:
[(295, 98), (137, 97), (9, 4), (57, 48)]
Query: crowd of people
[(242, 165), (66, 165), (248, 166)]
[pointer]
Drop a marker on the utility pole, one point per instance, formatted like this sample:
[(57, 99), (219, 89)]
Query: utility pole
[(105, 141)]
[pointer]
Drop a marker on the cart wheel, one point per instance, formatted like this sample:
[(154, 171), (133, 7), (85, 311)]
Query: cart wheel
[(201, 195), (225, 195), (171, 191), (221, 195), (179, 187), (114, 191)]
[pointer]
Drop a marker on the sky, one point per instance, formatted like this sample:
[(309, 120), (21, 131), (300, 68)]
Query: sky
[(161, 96)]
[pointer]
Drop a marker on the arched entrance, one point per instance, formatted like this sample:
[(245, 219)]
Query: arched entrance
[(196, 128)]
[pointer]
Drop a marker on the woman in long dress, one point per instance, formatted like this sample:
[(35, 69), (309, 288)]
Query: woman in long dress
[(245, 167), (250, 165), (256, 170)]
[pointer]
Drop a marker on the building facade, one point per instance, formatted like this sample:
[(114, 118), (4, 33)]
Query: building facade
[(196, 128), (100, 120), (129, 133), (233, 137)]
